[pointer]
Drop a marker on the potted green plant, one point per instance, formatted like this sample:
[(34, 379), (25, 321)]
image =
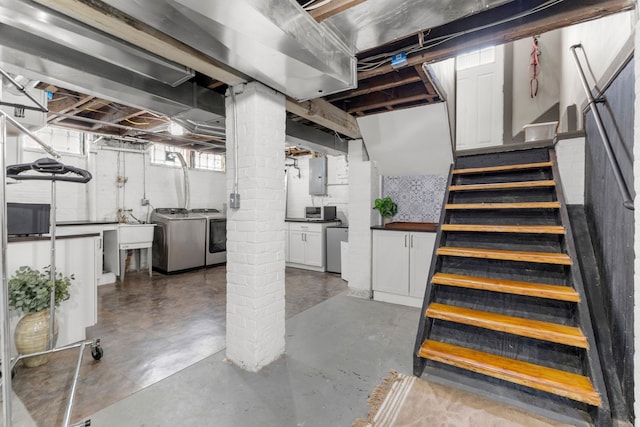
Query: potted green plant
[(386, 207), (30, 293)]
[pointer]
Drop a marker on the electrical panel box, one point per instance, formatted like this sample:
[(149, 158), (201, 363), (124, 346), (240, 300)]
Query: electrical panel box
[(318, 176)]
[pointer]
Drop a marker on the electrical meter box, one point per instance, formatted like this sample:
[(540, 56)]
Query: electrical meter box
[(318, 176)]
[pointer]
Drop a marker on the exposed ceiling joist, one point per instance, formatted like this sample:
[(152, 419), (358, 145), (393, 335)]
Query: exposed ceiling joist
[(333, 8), (402, 77), (382, 102), (117, 24), (510, 31)]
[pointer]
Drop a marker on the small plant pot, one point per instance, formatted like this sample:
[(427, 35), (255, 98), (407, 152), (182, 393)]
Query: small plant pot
[(32, 335), (386, 220)]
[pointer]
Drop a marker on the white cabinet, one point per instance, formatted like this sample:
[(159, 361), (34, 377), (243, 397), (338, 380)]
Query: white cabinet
[(401, 262), (306, 245)]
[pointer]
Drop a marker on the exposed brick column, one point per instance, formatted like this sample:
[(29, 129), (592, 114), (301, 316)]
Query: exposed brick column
[(255, 231)]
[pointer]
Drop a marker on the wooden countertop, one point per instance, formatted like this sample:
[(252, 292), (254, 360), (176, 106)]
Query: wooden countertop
[(409, 226)]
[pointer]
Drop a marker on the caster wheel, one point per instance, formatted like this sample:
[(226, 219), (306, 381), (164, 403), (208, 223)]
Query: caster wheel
[(97, 353), (13, 373)]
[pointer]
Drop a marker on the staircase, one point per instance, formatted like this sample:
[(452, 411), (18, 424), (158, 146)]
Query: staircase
[(504, 311)]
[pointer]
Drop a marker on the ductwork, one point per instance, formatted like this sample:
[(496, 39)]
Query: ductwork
[(377, 22), (274, 41)]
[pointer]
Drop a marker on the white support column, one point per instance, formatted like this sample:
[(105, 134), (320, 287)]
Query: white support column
[(363, 190), (255, 231)]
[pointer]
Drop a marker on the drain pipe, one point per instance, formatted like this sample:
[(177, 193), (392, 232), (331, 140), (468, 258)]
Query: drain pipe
[(622, 186)]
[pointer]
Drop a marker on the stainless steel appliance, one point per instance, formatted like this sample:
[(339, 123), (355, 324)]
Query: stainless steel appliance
[(179, 239), (320, 213), (216, 236), (335, 235)]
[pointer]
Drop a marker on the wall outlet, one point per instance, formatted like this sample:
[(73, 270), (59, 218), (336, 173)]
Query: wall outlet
[(144, 202)]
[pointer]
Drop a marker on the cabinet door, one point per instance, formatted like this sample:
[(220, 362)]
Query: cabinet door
[(314, 249), (296, 247), (420, 260), (391, 262)]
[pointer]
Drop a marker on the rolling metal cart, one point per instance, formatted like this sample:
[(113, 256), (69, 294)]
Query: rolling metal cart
[(51, 170)]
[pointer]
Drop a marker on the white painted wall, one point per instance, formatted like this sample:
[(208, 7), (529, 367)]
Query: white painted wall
[(525, 108), (445, 74), (602, 40), (163, 185), (571, 155), (415, 141), (298, 196)]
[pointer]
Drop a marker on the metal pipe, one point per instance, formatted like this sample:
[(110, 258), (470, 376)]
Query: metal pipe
[(52, 268), (53, 153), (4, 294), (622, 186), (23, 90), (67, 413), (235, 139), (117, 126)]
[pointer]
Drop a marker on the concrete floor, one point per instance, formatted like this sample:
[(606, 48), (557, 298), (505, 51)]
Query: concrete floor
[(150, 329), (336, 353)]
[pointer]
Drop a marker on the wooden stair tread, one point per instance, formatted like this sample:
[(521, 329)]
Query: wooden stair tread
[(573, 386), (502, 168), (518, 205), (507, 255), (545, 331), (493, 228), (562, 293), (504, 185)]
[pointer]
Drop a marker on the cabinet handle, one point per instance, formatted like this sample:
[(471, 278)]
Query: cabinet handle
[(405, 240), (412, 241)]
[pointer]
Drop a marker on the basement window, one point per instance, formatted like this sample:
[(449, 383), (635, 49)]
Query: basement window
[(160, 155), (61, 140), (208, 161), (476, 58)]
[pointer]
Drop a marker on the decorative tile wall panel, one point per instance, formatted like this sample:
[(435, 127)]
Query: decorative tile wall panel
[(419, 197)]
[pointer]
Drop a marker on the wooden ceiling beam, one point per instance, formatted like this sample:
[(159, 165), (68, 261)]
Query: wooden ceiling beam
[(385, 82), (332, 8), (425, 80), (325, 114), (110, 20), (117, 117), (389, 102), (511, 31)]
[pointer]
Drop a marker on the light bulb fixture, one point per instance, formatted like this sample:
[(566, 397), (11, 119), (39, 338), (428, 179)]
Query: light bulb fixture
[(175, 129)]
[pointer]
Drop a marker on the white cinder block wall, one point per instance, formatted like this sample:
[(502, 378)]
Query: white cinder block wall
[(298, 196), (162, 186)]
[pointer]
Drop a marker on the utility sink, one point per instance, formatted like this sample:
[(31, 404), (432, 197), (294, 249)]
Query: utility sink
[(135, 234)]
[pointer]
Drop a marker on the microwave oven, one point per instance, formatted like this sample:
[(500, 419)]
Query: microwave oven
[(320, 213)]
